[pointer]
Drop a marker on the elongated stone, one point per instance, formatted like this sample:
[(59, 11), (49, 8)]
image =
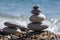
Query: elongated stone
[(39, 18), (11, 30), (36, 26), (11, 24)]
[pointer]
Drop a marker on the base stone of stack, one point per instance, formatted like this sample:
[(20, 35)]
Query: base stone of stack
[(11, 30), (37, 26)]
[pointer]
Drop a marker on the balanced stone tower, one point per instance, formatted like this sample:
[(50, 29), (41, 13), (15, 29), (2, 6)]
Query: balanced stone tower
[(36, 20)]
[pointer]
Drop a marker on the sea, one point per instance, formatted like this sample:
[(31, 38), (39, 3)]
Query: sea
[(20, 10)]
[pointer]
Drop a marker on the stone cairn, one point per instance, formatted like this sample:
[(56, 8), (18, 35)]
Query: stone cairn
[(38, 32), (36, 20), (12, 27), (10, 30), (13, 31)]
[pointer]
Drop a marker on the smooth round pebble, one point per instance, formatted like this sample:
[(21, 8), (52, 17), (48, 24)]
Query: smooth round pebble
[(39, 18)]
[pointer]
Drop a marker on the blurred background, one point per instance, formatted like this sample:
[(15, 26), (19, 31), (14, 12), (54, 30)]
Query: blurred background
[(20, 11)]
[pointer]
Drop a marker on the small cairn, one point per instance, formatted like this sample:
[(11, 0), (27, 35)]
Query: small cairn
[(14, 30), (36, 24), (12, 27), (36, 20)]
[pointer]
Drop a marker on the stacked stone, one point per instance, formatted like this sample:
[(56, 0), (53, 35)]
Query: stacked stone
[(36, 20), (12, 27)]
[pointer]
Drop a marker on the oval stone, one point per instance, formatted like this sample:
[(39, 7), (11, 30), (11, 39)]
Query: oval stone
[(39, 18), (36, 12), (36, 26), (36, 6)]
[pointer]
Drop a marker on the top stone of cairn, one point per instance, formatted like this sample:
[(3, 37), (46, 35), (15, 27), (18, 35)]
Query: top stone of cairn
[(36, 7)]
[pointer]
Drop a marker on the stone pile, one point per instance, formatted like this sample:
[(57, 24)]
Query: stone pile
[(36, 20), (11, 27)]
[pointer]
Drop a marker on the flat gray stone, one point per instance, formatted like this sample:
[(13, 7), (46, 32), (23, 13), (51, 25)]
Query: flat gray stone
[(37, 26), (35, 12), (11, 24), (11, 30)]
